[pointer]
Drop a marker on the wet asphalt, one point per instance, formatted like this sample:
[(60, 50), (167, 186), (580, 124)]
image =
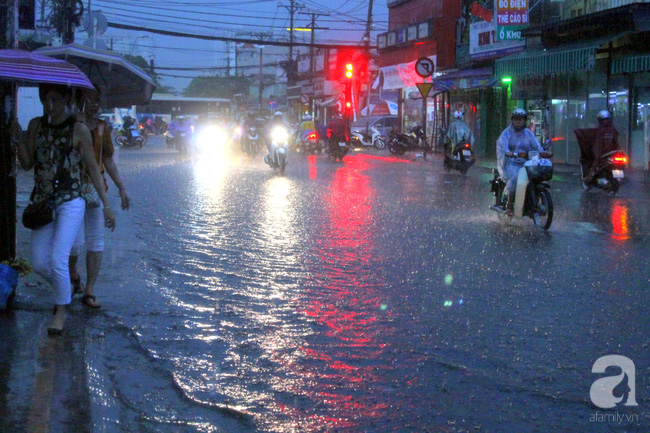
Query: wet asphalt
[(377, 294)]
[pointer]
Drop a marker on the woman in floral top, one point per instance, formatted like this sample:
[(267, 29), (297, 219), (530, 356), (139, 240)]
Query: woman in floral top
[(56, 146)]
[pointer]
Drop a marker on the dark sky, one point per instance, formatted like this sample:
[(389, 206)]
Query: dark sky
[(233, 18)]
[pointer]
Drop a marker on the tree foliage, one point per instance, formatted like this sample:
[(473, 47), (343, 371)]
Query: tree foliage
[(217, 87), (142, 63)]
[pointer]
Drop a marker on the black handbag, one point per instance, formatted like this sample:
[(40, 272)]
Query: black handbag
[(38, 214)]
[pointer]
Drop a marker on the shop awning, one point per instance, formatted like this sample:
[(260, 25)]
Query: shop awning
[(578, 56), (631, 64), (464, 79), (330, 102)]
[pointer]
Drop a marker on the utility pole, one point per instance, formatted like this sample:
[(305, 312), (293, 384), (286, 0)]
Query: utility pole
[(313, 14), (292, 10), (8, 33), (366, 40)]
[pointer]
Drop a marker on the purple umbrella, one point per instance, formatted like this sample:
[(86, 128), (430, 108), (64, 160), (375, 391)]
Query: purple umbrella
[(23, 67)]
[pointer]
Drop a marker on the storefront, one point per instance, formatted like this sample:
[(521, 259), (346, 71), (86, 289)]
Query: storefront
[(402, 80), (470, 91), (567, 85)]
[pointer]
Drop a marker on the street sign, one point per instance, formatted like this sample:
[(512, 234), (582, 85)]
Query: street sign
[(424, 88), (304, 99), (424, 67)]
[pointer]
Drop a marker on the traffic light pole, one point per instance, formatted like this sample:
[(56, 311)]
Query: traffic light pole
[(424, 126), (8, 36)]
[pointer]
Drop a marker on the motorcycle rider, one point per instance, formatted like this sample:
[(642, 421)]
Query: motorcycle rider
[(606, 141), (275, 122), (180, 125), (458, 132), (248, 122), (307, 126), (337, 131), (127, 122), (516, 138)]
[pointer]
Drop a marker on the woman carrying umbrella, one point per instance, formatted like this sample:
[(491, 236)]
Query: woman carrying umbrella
[(56, 146), (92, 229)]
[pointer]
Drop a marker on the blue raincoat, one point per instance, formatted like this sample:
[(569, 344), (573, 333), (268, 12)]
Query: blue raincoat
[(515, 142)]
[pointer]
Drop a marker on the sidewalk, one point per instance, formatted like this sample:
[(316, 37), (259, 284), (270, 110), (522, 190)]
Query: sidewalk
[(43, 384)]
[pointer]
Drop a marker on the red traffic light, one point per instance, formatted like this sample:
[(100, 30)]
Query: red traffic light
[(349, 70)]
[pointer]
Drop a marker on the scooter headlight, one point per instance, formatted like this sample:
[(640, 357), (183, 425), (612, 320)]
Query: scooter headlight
[(210, 137), (279, 134)]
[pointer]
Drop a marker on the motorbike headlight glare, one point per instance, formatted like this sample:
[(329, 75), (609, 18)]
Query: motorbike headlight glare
[(279, 134)]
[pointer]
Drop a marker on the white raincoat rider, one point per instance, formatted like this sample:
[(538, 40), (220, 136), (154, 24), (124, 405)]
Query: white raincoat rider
[(459, 132), (516, 138)]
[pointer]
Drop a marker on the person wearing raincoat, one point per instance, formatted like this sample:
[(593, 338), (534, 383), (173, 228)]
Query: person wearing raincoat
[(459, 132), (516, 138)]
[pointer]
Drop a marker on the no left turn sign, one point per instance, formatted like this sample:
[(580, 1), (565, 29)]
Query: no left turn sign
[(424, 67)]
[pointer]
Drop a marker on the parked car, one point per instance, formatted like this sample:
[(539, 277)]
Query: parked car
[(383, 124)]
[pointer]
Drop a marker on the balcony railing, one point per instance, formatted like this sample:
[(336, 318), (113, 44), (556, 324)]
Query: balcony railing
[(574, 8)]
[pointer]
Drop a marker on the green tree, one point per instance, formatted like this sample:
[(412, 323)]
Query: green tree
[(142, 63), (217, 87)]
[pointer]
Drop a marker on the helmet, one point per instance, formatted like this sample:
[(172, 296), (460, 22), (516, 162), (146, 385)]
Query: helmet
[(458, 114), (277, 113), (519, 113), (306, 117), (181, 117), (604, 114)]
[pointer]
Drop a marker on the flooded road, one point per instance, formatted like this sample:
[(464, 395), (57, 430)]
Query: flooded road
[(378, 294)]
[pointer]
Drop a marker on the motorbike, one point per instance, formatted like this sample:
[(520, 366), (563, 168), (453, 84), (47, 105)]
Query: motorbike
[(460, 157), (277, 158), (169, 140), (235, 139), (399, 143), (373, 138), (144, 133), (532, 198), (311, 144), (182, 141), (135, 141), (610, 174), (339, 148), (253, 140)]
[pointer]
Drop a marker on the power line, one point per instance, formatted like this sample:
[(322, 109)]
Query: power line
[(225, 38)]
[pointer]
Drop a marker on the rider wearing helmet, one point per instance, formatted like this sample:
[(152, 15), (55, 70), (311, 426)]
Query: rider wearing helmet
[(307, 126), (248, 122), (606, 141), (459, 132), (516, 138), (337, 131), (275, 122)]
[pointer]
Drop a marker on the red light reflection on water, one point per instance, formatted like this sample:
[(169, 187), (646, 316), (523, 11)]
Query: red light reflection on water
[(620, 221), (313, 171), (339, 364)]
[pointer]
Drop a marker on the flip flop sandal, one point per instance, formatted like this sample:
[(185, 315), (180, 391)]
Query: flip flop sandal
[(90, 301), (77, 287)]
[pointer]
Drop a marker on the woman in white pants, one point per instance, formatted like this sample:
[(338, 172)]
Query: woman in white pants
[(55, 147), (93, 227)]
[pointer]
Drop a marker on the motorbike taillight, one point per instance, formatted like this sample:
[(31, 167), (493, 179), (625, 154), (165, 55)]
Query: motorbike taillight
[(312, 136), (619, 159)]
